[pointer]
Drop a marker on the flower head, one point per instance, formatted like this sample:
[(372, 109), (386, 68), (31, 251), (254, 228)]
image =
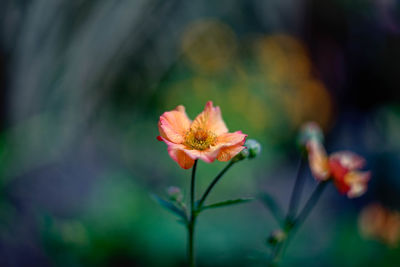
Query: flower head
[(206, 138), (343, 167), (380, 223)]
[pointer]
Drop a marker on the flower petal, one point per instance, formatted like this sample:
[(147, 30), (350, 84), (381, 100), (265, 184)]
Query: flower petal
[(181, 158), (230, 139), (177, 153), (341, 186), (206, 155), (228, 145), (357, 181), (318, 160), (348, 160), (210, 119), (174, 124), (227, 153), (338, 170)]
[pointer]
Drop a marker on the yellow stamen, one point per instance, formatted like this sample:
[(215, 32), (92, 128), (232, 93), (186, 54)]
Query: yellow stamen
[(200, 139)]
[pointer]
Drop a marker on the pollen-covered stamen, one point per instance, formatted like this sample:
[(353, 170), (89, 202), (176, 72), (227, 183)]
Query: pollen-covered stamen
[(200, 139)]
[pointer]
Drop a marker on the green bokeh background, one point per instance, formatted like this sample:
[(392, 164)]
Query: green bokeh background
[(84, 83)]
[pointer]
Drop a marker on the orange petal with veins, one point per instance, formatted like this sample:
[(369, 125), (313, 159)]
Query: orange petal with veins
[(181, 158), (211, 120), (174, 124), (227, 153)]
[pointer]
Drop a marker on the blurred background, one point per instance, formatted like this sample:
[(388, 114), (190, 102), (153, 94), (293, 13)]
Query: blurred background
[(83, 84)]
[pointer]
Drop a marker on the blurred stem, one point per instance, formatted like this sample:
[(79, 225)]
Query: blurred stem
[(310, 204), (288, 222), (290, 227), (192, 219), (297, 190), (213, 183)]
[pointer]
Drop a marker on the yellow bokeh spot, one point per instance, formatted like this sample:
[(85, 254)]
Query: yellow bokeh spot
[(282, 58), (208, 45)]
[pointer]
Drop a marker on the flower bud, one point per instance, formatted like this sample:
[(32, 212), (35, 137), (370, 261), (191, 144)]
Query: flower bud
[(276, 237), (174, 193), (310, 131), (254, 148), (241, 155)]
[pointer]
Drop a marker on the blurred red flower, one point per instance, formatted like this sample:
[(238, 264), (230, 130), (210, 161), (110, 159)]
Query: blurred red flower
[(343, 167)]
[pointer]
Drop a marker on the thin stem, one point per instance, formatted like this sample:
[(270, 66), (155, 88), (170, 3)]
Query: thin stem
[(191, 245), (292, 210), (192, 219), (291, 227), (275, 254), (297, 189), (192, 189), (310, 204), (214, 182)]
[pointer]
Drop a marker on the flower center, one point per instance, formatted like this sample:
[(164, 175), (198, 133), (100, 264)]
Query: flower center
[(199, 139)]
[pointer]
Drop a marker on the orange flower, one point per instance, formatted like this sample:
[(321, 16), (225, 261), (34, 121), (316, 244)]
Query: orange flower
[(343, 167), (205, 138), (380, 223)]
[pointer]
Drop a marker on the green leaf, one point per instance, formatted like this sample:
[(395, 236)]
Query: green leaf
[(227, 203), (170, 207), (273, 207)]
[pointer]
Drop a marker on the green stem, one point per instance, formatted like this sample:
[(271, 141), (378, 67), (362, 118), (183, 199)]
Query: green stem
[(292, 210), (290, 227), (191, 245), (213, 183), (310, 204), (275, 254), (192, 219), (296, 193), (192, 190)]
